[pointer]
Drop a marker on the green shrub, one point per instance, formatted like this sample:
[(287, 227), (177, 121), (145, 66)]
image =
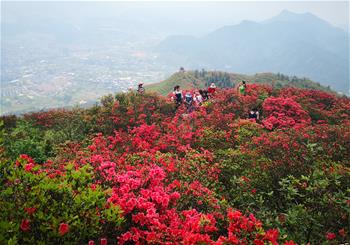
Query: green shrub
[(35, 201), (30, 140)]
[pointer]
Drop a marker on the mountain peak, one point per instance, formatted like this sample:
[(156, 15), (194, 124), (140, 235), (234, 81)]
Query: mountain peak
[(287, 12), (247, 22), (289, 16)]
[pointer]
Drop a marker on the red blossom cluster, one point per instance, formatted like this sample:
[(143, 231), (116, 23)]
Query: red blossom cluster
[(155, 219), (284, 113)]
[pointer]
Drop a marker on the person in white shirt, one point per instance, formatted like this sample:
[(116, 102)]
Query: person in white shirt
[(177, 95), (198, 98)]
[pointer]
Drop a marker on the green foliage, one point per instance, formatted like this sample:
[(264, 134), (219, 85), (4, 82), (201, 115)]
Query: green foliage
[(30, 140), (245, 131), (302, 206), (107, 100), (66, 197), (214, 139), (316, 201)]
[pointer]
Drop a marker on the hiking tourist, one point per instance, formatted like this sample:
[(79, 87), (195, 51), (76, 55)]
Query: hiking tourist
[(198, 98), (254, 114), (140, 88), (212, 89), (204, 94), (242, 87), (189, 102), (177, 96)]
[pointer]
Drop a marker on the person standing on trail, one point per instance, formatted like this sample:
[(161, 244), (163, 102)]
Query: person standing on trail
[(140, 88), (212, 89), (177, 96), (254, 114), (242, 88), (189, 102)]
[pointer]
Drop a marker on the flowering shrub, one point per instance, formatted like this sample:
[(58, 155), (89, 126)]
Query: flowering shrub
[(284, 113), (43, 203), (134, 171), (321, 106)]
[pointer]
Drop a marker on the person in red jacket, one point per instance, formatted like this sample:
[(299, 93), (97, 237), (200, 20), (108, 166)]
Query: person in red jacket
[(212, 89)]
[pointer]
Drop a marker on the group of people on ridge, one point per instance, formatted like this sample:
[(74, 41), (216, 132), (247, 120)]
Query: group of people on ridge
[(192, 100), (200, 96), (204, 93)]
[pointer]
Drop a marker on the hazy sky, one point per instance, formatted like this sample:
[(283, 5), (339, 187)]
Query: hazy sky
[(209, 15)]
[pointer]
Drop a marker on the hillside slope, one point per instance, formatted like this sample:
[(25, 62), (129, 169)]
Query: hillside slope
[(133, 170), (202, 79)]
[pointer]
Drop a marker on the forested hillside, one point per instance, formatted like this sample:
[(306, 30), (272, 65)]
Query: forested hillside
[(134, 170), (202, 79)]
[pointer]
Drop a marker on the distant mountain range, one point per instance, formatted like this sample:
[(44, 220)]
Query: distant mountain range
[(290, 43)]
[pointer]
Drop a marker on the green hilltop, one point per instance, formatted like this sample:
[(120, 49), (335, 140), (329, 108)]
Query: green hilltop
[(202, 79)]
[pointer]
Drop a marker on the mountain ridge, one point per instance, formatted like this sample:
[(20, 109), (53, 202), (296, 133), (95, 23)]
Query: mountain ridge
[(311, 48), (202, 79)]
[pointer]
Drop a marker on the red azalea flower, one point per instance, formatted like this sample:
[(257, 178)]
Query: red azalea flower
[(330, 236), (25, 225), (93, 187), (272, 235), (103, 241), (290, 243), (30, 211), (91, 243), (342, 232), (258, 242), (234, 215), (64, 228), (28, 167)]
